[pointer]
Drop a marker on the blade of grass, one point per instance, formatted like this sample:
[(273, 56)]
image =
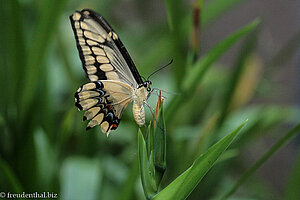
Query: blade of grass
[(149, 186), (178, 37), (62, 53), (183, 185), (11, 177), (170, 13), (245, 50), (281, 142), (5, 69), (17, 53), (12, 57), (195, 76), (159, 142), (292, 188), (46, 27), (201, 67), (264, 119), (247, 85)]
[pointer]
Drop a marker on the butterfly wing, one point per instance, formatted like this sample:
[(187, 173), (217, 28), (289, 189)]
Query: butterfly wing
[(104, 102), (104, 58), (102, 53)]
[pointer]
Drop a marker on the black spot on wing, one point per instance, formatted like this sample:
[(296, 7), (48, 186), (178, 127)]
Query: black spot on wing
[(101, 74), (99, 85)]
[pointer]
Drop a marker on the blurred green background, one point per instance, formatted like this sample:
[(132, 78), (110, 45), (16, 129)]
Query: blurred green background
[(43, 143)]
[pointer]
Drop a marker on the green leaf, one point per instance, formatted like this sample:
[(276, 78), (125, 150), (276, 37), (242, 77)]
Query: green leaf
[(245, 50), (292, 188), (177, 37), (159, 146), (45, 157), (150, 136), (264, 119), (127, 190), (281, 142), (196, 74), (175, 13), (10, 176), (201, 67), (16, 47), (80, 178), (183, 185), (170, 13), (152, 154), (46, 27), (146, 171)]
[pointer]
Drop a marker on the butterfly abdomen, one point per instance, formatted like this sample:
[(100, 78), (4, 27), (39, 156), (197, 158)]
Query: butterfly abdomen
[(139, 113), (139, 98)]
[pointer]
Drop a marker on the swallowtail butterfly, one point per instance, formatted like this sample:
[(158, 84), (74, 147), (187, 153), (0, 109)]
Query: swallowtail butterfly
[(114, 79)]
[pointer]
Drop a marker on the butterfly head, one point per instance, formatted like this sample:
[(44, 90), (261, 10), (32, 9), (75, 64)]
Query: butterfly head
[(147, 85)]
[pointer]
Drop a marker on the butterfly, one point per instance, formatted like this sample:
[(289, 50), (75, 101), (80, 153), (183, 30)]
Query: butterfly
[(114, 79)]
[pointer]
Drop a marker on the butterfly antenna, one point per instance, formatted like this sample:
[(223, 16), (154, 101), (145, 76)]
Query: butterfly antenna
[(160, 69), (143, 78)]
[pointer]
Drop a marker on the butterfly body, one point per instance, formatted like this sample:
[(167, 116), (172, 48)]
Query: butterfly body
[(138, 110), (115, 81)]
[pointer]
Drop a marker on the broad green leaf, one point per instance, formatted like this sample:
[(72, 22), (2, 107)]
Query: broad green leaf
[(183, 185), (45, 157), (80, 178), (281, 142), (126, 192)]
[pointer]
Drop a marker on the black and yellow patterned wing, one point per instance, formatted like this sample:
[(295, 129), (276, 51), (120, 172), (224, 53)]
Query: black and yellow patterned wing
[(102, 53), (108, 66), (104, 102)]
